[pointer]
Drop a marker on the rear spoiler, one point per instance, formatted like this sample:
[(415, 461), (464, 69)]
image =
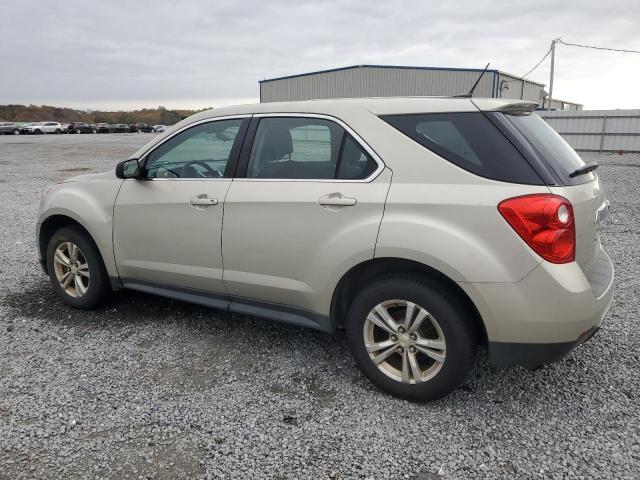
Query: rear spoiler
[(505, 105), (522, 107)]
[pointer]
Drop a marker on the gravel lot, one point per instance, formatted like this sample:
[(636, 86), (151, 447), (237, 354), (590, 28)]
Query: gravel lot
[(152, 388)]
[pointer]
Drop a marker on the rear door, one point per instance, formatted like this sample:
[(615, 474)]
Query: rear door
[(307, 203), (168, 226)]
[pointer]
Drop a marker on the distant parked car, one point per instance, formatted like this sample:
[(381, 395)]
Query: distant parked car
[(160, 128), (103, 128), (120, 128), (140, 127), (9, 128), (39, 128), (81, 127)]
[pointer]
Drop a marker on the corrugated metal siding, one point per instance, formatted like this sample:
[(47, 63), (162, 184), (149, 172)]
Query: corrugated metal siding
[(376, 82), (512, 87), (599, 130)]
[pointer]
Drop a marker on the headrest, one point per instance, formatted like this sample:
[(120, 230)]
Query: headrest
[(277, 142)]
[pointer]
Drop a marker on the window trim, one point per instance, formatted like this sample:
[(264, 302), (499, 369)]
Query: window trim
[(243, 161), (234, 154)]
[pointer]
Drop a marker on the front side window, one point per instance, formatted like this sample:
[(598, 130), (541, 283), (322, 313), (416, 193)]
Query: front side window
[(308, 149), (202, 151)]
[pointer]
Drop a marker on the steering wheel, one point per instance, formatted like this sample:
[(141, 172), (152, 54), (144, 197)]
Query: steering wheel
[(206, 166)]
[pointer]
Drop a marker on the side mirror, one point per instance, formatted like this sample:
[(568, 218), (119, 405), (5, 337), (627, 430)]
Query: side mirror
[(128, 169)]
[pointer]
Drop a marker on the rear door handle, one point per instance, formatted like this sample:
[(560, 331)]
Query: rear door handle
[(336, 200), (203, 200)]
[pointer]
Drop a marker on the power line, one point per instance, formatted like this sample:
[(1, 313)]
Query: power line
[(598, 48), (520, 79), (537, 64)]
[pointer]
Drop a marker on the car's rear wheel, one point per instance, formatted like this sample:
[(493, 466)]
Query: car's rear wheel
[(411, 337), (75, 268), (16, 132), (95, 131), (58, 131)]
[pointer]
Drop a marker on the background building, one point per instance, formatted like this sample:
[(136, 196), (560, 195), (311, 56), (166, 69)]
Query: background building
[(392, 81)]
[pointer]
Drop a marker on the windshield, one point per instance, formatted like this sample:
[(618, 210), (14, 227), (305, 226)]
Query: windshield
[(550, 146)]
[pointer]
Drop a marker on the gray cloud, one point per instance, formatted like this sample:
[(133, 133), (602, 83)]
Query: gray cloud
[(121, 54)]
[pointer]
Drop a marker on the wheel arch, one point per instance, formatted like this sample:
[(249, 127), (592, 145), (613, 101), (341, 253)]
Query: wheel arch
[(363, 273), (51, 225)]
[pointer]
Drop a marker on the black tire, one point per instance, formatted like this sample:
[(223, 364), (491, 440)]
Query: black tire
[(98, 286), (58, 131), (38, 132), (16, 132), (450, 314)]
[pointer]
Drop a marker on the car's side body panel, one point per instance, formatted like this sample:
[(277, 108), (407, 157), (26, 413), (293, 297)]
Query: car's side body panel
[(457, 230), (158, 236), (281, 246)]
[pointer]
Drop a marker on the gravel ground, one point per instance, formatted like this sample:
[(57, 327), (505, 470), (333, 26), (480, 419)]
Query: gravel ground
[(152, 388)]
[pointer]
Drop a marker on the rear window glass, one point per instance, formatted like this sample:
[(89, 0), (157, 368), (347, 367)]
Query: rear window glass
[(550, 146), (470, 141)]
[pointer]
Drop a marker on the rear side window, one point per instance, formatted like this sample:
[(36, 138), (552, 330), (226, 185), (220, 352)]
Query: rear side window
[(470, 141), (354, 162), (307, 149)]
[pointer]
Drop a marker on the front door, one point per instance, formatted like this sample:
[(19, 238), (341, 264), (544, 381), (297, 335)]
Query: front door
[(168, 226), (309, 206)]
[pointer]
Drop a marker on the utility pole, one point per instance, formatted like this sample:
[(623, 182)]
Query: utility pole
[(553, 55)]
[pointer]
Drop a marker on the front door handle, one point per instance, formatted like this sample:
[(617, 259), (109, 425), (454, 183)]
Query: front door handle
[(336, 200), (203, 200)]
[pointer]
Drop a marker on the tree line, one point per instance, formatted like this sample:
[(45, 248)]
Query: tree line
[(42, 113)]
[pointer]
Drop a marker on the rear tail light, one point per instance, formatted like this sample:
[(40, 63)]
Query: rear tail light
[(545, 222)]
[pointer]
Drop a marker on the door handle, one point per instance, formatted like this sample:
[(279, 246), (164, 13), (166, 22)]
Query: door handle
[(336, 200), (203, 200)]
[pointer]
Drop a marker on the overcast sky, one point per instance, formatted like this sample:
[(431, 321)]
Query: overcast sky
[(192, 54)]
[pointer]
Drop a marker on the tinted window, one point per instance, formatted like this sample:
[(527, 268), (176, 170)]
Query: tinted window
[(354, 163), (550, 146), (470, 141), (199, 152)]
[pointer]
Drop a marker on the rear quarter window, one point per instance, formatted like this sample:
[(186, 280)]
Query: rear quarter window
[(470, 141)]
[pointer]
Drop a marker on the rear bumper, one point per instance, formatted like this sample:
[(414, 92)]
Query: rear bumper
[(544, 316), (532, 355)]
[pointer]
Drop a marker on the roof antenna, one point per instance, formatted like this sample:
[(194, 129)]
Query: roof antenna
[(470, 93)]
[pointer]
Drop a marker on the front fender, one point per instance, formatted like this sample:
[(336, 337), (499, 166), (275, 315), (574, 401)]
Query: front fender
[(90, 204)]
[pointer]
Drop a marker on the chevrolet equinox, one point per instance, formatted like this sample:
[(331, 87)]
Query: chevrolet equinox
[(425, 227)]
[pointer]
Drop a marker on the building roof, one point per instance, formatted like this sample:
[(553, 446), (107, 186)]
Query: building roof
[(396, 67)]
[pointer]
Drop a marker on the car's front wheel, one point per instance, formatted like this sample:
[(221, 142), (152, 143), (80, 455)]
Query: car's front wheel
[(412, 337), (16, 132), (75, 268)]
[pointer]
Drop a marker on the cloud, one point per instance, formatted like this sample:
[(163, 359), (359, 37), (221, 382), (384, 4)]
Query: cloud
[(192, 53)]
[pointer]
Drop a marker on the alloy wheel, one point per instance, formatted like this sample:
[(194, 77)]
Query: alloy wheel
[(71, 269), (404, 341)]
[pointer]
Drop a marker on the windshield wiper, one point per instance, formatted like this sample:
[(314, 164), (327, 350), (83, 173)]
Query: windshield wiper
[(589, 167)]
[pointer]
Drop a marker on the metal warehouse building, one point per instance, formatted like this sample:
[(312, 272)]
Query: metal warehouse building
[(392, 81)]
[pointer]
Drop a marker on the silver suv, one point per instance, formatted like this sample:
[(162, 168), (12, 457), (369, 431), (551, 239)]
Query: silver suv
[(425, 227)]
